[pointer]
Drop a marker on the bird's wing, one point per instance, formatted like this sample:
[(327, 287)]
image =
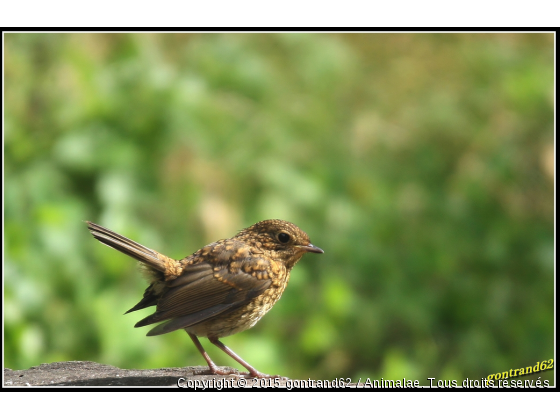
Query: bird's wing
[(202, 292)]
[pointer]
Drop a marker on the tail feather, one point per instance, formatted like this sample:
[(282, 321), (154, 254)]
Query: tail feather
[(149, 299), (127, 246)]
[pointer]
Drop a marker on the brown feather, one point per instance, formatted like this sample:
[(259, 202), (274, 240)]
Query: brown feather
[(127, 246)]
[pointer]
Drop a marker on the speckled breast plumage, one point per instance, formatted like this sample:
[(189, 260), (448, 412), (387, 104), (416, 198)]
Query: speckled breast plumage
[(242, 318)]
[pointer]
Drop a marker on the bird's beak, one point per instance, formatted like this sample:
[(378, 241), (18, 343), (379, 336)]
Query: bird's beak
[(312, 248)]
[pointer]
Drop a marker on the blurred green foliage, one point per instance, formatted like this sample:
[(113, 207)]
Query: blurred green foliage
[(423, 164)]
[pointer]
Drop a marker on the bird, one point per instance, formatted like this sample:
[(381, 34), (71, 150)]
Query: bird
[(223, 288)]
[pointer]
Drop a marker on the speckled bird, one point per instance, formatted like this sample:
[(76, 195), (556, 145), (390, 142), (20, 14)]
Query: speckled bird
[(222, 289)]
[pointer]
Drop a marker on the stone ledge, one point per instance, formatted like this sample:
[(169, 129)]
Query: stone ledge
[(91, 374)]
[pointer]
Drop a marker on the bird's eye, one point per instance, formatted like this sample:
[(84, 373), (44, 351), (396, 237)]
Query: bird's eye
[(283, 237)]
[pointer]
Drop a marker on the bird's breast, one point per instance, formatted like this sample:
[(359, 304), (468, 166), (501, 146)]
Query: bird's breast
[(242, 318)]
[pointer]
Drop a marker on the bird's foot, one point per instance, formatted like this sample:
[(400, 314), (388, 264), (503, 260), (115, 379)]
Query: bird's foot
[(256, 374), (215, 370)]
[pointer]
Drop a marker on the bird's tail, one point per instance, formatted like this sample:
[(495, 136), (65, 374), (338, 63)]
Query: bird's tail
[(152, 259)]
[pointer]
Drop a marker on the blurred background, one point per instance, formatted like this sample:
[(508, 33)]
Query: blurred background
[(423, 164)]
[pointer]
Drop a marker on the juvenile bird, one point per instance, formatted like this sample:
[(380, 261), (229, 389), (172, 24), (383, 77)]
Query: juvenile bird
[(221, 289)]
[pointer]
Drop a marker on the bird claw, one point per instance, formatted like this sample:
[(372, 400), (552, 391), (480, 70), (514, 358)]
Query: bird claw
[(214, 370), (246, 375), (257, 374)]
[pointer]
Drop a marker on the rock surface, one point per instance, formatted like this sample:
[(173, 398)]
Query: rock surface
[(91, 374)]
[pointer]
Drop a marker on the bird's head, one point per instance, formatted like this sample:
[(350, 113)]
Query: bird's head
[(283, 240)]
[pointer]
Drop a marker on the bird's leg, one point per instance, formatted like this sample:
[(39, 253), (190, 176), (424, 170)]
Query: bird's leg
[(252, 371), (211, 365)]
